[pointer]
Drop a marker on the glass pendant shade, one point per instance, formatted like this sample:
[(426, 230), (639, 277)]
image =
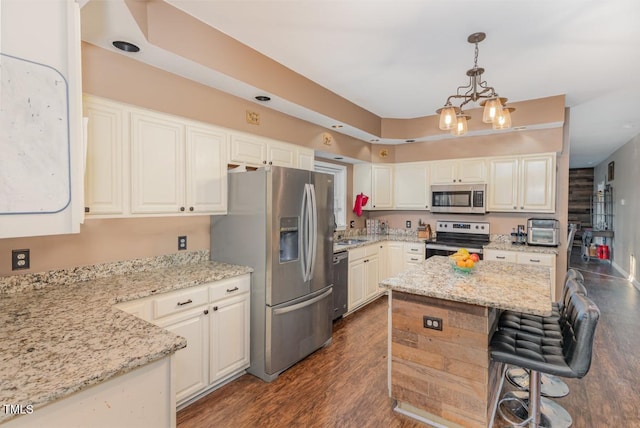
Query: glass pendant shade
[(503, 120), (447, 118), (461, 127), (491, 110)]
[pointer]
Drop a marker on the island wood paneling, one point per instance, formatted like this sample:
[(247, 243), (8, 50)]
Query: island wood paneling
[(447, 376)]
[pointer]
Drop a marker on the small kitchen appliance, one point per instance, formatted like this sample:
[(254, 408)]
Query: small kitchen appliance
[(459, 198), (543, 232), (453, 235)]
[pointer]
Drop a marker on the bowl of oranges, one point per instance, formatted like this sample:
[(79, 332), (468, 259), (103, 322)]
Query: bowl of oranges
[(463, 261)]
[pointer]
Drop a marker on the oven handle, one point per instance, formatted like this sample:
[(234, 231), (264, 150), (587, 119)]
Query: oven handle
[(452, 248)]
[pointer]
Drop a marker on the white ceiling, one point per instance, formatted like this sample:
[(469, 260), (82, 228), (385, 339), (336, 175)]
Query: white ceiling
[(401, 58)]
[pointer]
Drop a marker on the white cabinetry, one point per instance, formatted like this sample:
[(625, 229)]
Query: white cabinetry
[(526, 258), (176, 167), (522, 184), (105, 191), (395, 252), (258, 151), (375, 181), (411, 186), (459, 171), (214, 318), (414, 254), (363, 276), (144, 163)]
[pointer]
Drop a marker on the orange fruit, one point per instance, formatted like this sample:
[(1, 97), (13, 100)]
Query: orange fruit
[(461, 263), (469, 263)]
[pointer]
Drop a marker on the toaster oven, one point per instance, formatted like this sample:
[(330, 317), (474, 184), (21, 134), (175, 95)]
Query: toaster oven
[(543, 232)]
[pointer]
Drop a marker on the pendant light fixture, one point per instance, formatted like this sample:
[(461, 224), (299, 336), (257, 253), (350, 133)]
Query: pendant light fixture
[(453, 119)]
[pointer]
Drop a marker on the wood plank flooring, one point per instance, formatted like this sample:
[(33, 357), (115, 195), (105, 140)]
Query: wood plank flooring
[(345, 383)]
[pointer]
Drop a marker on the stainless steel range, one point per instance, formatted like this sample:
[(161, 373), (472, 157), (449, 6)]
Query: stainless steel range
[(453, 235)]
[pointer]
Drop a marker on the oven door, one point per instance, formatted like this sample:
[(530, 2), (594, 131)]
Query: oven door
[(447, 250)]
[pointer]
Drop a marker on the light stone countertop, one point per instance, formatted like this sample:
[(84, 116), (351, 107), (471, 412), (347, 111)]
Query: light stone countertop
[(372, 239), (503, 243), (501, 285), (59, 339)]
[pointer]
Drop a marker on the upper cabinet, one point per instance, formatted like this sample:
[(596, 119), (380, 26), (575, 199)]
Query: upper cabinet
[(141, 162), (411, 186), (522, 183), (41, 138), (258, 151), (459, 171), (375, 181)]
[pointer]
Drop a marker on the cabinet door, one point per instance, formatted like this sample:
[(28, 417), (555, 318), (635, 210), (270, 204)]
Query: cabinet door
[(537, 183), (357, 284), (281, 155), (383, 260), (395, 253), (206, 171), (157, 164), (229, 337), (503, 185), (372, 277), (191, 363), (382, 186), (444, 172), (248, 150), (411, 186), (104, 176), (306, 159), (362, 182), (472, 171)]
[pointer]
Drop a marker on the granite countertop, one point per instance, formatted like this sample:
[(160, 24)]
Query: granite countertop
[(372, 239), (59, 339), (502, 285), (506, 245)]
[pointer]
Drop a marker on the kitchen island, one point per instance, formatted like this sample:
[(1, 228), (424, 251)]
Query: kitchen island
[(440, 325)]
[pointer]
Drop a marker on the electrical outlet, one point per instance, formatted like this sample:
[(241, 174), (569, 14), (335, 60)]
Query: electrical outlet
[(182, 242), (432, 322), (408, 224), (20, 259)]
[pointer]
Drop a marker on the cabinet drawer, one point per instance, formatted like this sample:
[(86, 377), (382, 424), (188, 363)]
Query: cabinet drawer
[(179, 301), (413, 258), (500, 256), (414, 248), (357, 253), (536, 259), (229, 287)]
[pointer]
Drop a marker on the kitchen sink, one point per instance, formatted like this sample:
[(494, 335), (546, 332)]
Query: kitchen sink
[(350, 241)]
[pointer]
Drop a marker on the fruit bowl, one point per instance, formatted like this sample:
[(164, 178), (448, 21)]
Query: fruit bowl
[(466, 269)]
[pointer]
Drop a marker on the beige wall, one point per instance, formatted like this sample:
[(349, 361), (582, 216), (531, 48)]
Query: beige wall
[(626, 243)]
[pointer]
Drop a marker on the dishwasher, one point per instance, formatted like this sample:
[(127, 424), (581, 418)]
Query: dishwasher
[(340, 271)]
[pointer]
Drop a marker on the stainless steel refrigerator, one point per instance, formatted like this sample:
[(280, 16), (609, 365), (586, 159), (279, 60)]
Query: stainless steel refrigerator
[(280, 222)]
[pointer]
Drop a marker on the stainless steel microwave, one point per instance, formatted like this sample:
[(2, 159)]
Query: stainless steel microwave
[(459, 198)]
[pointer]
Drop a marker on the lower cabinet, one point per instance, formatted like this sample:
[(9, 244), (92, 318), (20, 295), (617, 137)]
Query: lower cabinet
[(214, 319), (414, 254), (395, 252), (363, 276), (525, 258)]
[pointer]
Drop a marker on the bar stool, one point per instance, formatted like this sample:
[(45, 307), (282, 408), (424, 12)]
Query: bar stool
[(551, 386), (571, 358)]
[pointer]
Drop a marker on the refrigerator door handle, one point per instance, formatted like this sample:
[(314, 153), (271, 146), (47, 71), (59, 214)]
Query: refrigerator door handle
[(305, 238), (297, 306), (313, 229)]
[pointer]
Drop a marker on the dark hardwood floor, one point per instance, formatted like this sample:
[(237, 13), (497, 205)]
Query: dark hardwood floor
[(345, 383)]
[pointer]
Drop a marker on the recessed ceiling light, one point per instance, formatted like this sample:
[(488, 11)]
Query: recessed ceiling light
[(374, 140), (263, 98), (336, 126), (338, 158), (126, 46), (409, 141), (519, 128)]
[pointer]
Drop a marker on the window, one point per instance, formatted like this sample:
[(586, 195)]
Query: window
[(339, 173)]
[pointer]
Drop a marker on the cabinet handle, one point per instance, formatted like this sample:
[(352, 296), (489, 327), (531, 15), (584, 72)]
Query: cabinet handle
[(215, 308), (181, 208), (270, 163), (521, 208), (534, 260), (413, 259), (206, 311), (414, 249), (264, 162), (87, 209), (232, 289), (185, 302), (190, 208), (515, 208), (501, 257)]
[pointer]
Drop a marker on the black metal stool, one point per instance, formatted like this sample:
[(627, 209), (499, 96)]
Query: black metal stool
[(571, 358), (551, 386)]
